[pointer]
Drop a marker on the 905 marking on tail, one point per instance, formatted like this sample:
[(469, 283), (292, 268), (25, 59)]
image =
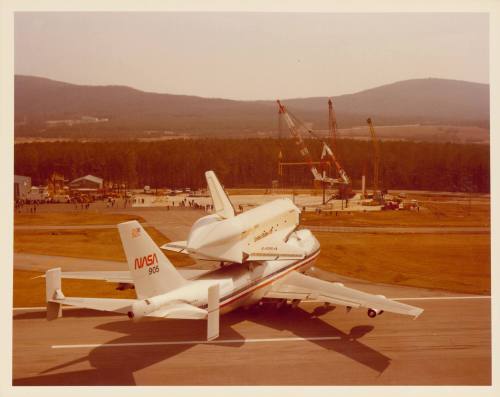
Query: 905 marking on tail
[(153, 270)]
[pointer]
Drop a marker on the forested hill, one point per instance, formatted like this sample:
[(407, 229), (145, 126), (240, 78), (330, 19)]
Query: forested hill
[(254, 163), (130, 111)]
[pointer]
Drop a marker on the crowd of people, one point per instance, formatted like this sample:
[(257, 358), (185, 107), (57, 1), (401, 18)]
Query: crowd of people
[(26, 206), (185, 203), (112, 202)]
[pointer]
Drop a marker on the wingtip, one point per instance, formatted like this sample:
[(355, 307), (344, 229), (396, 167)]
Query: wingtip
[(132, 222), (416, 313)]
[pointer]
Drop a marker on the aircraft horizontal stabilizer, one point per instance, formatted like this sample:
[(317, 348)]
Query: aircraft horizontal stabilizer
[(123, 276), (180, 310), (55, 298), (103, 304), (176, 246)]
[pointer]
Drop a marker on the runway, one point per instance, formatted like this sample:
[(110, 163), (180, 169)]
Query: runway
[(449, 344)]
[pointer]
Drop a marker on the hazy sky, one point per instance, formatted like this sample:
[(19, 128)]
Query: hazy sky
[(251, 55)]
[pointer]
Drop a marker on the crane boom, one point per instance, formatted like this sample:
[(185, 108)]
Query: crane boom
[(332, 124), (295, 126), (376, 156)]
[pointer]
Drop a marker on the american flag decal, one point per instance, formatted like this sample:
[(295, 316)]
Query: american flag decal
[(136, 232)]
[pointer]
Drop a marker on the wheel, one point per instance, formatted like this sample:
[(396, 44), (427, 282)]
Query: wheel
[(371, 313)]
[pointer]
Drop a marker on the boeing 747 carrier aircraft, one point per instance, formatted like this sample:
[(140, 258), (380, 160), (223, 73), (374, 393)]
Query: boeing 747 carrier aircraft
[(264, 257)]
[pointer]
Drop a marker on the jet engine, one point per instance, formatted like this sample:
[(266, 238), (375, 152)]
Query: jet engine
[(141, 308), (374, 312)]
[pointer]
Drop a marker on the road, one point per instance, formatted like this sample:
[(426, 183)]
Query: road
[(179, 232), (174, 224)]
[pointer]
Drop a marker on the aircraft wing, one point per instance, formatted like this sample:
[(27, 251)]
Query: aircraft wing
[(113, 276), (299, 286), (123, 276)]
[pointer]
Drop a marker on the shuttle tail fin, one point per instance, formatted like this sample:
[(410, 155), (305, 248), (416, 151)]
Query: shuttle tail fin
[(222, 204), (152, 272)]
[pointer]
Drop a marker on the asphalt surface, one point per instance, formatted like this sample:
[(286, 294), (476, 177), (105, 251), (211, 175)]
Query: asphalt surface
[(449, 344)]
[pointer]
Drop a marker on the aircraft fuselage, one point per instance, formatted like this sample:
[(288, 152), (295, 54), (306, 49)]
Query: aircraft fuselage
[(240, 284)]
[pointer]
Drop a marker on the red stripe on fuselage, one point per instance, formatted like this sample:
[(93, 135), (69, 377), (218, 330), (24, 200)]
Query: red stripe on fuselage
[(299, 265)]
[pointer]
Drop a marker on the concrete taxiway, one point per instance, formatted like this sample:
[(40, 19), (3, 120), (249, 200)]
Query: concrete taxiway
[(449, 344)]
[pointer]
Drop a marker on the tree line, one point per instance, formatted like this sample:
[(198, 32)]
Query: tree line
[(180, 163)]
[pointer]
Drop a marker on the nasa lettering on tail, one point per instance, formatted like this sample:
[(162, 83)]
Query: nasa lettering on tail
[(148, 260)]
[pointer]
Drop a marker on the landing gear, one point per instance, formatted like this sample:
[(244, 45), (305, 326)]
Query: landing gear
[(295, 303), (281, 304)]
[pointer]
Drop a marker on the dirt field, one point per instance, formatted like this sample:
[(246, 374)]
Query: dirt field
[(102, 244), (454, 262), (459, 263), (435, 211), (244, 192), (428, 133), (30, 291)]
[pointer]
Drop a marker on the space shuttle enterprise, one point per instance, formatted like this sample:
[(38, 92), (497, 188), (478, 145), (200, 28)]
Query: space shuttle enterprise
[(257, 234)]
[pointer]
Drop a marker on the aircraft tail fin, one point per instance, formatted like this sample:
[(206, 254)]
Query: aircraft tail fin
[(53, 292), (222, 204), (152, 272)]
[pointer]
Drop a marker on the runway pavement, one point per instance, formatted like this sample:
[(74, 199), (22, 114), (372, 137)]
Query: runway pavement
[(449, 344)]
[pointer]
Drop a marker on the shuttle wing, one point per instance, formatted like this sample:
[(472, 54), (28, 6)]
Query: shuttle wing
[(299, 286), (277, 250), (176, 246)]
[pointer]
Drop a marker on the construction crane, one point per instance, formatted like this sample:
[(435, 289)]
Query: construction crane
[(376, 158), (296, 127), (332, 124)]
